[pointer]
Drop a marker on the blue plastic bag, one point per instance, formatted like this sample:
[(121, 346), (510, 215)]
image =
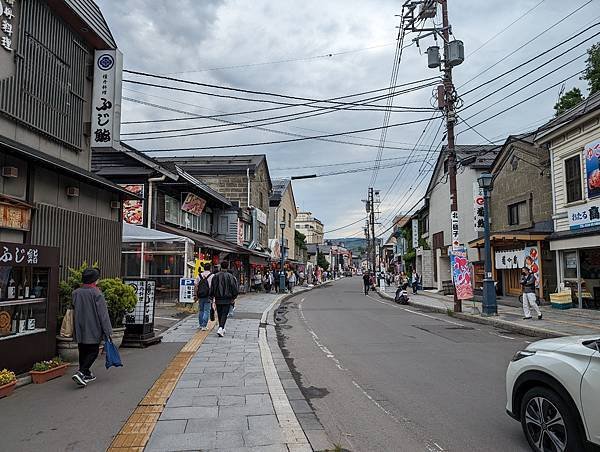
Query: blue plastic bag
[(112, 354)]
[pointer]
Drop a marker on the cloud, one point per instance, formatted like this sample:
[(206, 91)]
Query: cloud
[(186, 36)]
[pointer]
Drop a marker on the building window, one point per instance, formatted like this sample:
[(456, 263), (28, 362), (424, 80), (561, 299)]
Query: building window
[(261, 199), (284, 215), (517, 213), (289, 220), (573, 178), (425, 224)]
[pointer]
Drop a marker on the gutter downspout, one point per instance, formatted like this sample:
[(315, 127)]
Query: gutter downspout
[(248, 177), (151, 181)]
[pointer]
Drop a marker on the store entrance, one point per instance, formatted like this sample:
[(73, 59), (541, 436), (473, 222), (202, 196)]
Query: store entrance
[(589, 259)]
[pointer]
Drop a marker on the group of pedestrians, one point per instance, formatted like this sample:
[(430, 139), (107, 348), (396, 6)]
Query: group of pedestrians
[(270, 280), (216, 291)]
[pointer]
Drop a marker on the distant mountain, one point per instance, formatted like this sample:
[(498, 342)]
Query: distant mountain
[(353, 244)]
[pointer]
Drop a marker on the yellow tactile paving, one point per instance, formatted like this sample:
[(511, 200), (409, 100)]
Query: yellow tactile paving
[(134, 435)]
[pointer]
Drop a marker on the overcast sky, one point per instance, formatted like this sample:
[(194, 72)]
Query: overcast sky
[(202, 40)]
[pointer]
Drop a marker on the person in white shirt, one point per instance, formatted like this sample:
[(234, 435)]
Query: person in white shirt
[(203, 282)]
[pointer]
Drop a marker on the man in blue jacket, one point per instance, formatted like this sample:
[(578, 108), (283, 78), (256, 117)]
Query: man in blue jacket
[(92, 324)]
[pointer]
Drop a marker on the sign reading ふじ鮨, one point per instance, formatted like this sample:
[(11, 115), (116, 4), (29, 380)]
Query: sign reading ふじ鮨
[(106, 99)]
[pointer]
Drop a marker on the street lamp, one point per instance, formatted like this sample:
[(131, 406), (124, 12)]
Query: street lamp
[(281, 273), (490, 307)]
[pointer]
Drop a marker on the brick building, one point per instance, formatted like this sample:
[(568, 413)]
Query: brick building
[(521, 215), (283, 210), (242, 179)]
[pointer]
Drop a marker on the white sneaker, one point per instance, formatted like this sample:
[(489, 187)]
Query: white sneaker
[(220, 332)]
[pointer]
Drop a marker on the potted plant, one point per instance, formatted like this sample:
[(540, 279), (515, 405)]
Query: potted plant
[(120, 299), (44, 371), (8, 381)]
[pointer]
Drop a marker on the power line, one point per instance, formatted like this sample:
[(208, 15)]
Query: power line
[(229, 88), (505, 28), (150, 121), (339, 163), (528, 42), (288, 60), (264, 143), (536, 57), (272, 119), (345, 226)]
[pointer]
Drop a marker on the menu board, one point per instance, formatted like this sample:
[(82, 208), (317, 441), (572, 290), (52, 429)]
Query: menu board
[(193, 204), (133, 209)]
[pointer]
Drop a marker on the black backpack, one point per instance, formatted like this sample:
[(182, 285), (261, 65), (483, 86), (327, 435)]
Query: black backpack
[(203, 289)]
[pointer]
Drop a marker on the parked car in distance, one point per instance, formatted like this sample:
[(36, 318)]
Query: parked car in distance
[(553, 389)]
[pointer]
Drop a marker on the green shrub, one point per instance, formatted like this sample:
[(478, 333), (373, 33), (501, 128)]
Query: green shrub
[(120, 299), (43, 366)]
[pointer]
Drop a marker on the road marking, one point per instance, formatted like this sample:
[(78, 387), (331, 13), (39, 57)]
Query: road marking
[(493, 333), (429, 444), (416, 312)]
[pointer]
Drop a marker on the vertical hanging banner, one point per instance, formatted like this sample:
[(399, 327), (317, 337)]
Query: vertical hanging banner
[(415, 233), (591, 155), (478, 217), (461, 273), (454, 226), (106, 99)]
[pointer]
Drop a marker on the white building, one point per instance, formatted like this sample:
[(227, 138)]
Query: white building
[(311, 227), (472, 160), (573, 139)]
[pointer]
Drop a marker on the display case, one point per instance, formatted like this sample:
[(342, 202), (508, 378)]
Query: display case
[(28, 304)]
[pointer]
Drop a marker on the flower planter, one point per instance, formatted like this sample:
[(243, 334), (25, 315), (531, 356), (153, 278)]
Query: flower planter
[(47, 375), (7, 389), (117, 336)]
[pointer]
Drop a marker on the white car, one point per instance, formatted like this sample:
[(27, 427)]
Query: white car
[(553, 389)]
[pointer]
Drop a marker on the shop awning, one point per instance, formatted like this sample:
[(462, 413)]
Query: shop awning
[(509, 237), (201, 239), (136, 234)]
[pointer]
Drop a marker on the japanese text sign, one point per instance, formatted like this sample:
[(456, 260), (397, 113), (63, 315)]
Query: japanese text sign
[(454, 226), (584, 215), (461, 273), (106, 99), (478, 214), (193, 204), (24, 255), (7, 22), (415, 233), (591, 154), (186, 290), (15, 217)]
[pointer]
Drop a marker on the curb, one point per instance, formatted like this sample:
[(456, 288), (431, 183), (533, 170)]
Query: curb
[(492, 321)]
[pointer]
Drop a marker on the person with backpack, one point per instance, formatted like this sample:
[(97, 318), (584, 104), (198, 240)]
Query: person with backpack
[(203, 282), (224, 290)]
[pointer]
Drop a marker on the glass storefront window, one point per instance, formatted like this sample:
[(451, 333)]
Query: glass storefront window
[(174, 215), (570, 265)]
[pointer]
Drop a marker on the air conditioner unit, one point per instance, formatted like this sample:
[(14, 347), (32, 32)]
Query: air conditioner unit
[(115, 205), (73, 192), (10, 171)]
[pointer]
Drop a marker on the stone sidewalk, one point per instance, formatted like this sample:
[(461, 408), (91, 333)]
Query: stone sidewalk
[(556, 323), (230, 397)]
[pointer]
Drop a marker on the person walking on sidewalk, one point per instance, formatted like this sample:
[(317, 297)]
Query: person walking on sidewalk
[(291, 280), (367, 282), (415, 282), (224, 291), (91, 324), (203, 282), (529, 297)]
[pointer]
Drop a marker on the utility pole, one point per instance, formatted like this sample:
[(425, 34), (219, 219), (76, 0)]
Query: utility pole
[(450, 121), (371, 200), (453, 55), (368, 249)]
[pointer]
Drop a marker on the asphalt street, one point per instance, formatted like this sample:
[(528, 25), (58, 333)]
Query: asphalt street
[(384, 377)]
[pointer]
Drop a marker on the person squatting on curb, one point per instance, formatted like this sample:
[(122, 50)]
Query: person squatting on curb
[(91, 322), (224, 291), (529, 298)]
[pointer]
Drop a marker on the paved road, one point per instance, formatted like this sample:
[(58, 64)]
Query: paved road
[(387, 377)]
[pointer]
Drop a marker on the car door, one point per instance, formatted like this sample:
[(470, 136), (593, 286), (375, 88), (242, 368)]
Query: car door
[(590, 398)]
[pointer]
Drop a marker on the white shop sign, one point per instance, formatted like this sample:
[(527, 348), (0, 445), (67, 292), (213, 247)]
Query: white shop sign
[(186, 290), (415, 233), (261, 216), (454, 225), (106, 99), (508, 259), (585, 215)]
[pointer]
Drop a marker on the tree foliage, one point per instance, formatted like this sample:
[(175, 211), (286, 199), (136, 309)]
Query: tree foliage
[(592, 68), (322, 262), (568, 100)]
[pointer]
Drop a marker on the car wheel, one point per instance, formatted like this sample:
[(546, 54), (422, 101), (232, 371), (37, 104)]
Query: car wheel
[(549, 423)]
